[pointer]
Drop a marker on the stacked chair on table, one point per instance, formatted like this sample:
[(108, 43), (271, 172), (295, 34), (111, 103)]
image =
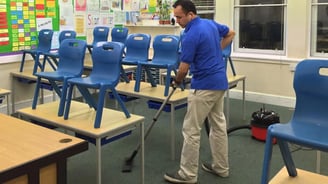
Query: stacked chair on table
[(105, 75), (119, 35), (137, 49), (100, 34), (44, 46), (166, 56), (309, 124), (64, 34), (71, 64)]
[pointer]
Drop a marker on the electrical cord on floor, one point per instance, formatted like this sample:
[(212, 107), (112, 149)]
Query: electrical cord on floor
[(295, 148)]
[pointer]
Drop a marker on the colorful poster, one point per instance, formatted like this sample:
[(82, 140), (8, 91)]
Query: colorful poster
[(80, 5), (23, 25), (4, 27)]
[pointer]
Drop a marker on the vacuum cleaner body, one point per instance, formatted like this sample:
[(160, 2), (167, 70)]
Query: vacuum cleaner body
[(261, 120)]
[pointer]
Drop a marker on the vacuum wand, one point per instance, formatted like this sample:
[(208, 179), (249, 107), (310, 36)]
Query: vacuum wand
[(127, 167)]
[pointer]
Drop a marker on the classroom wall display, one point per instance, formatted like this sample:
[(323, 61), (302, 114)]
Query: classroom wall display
[(21, 20)]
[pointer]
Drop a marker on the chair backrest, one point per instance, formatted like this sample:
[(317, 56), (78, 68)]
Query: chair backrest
[(226, 53), (137, 46), (119, 34), (65, 34), (44, 40), (107, 60), (100, 34), (71, 56), (166, 49), (311, 88)]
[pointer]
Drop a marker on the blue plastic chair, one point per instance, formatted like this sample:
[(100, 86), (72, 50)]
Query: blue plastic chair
[(137, 50), (309, 124), (105, 75), (119, 34), (226, 53), (71, 64), (64, 34), (166, 56), (100, 34), (44, 46)]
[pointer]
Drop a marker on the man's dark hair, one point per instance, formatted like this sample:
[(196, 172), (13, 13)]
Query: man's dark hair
[(186, 5)]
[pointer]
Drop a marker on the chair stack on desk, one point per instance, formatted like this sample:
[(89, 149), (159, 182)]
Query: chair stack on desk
[(137, 49), (64, 34), (120, 35), (107, 57), (71, 60), (44, 46), (166, 56), (100, 34), (309, 124)]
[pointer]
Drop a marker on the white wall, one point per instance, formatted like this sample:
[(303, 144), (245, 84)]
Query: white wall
[(271, 77)]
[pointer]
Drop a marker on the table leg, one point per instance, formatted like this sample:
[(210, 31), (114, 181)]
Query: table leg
[(244, 108), (142, 158), (98, 150), (8, 110), (172, 131), (13, 94)]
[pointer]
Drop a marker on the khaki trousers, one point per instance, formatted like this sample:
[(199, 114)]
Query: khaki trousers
[(202, 104)]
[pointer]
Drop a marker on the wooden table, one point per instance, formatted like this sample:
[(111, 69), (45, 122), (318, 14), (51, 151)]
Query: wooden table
[(303, 177), (156, 94), (33, 154), (81, 121), (28, 77), (5, 93)]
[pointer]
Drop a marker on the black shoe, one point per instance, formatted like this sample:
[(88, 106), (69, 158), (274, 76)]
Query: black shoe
[(208, 168), (176, 178)]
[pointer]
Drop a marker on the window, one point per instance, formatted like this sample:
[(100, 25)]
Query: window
[(319, 28), (205, 8), (261, 26)]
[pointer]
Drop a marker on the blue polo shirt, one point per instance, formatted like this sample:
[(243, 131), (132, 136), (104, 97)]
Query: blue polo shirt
[(201, 48)]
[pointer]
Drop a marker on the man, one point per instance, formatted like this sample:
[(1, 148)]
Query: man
[(202, 44)]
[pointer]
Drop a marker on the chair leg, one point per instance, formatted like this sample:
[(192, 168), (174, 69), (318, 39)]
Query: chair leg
[(22, 62), (37, 63), (101, 99), (68, 100), (167, 82), (150, 77), (138, 78), (119, 100), (267, 158), (87, 96), (123, 75), (63, 97), (36, 93), (287, 157)]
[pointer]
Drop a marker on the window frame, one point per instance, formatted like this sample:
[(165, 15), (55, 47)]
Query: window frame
[(236, 15), (313, 28)]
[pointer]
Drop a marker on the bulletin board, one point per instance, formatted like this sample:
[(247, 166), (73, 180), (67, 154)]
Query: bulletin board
[(20, 21)]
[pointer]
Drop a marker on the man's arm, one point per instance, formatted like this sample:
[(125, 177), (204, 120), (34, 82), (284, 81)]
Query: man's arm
[(228, 38), (182, 72)]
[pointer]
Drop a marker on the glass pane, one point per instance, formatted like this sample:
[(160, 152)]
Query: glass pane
[(321, 1), (322, 29), (261, 28), (254, 2)]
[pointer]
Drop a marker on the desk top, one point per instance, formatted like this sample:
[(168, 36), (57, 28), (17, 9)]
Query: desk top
[(22, 142), (303, 177), (151, 93), (81, 119), (4, 91)]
